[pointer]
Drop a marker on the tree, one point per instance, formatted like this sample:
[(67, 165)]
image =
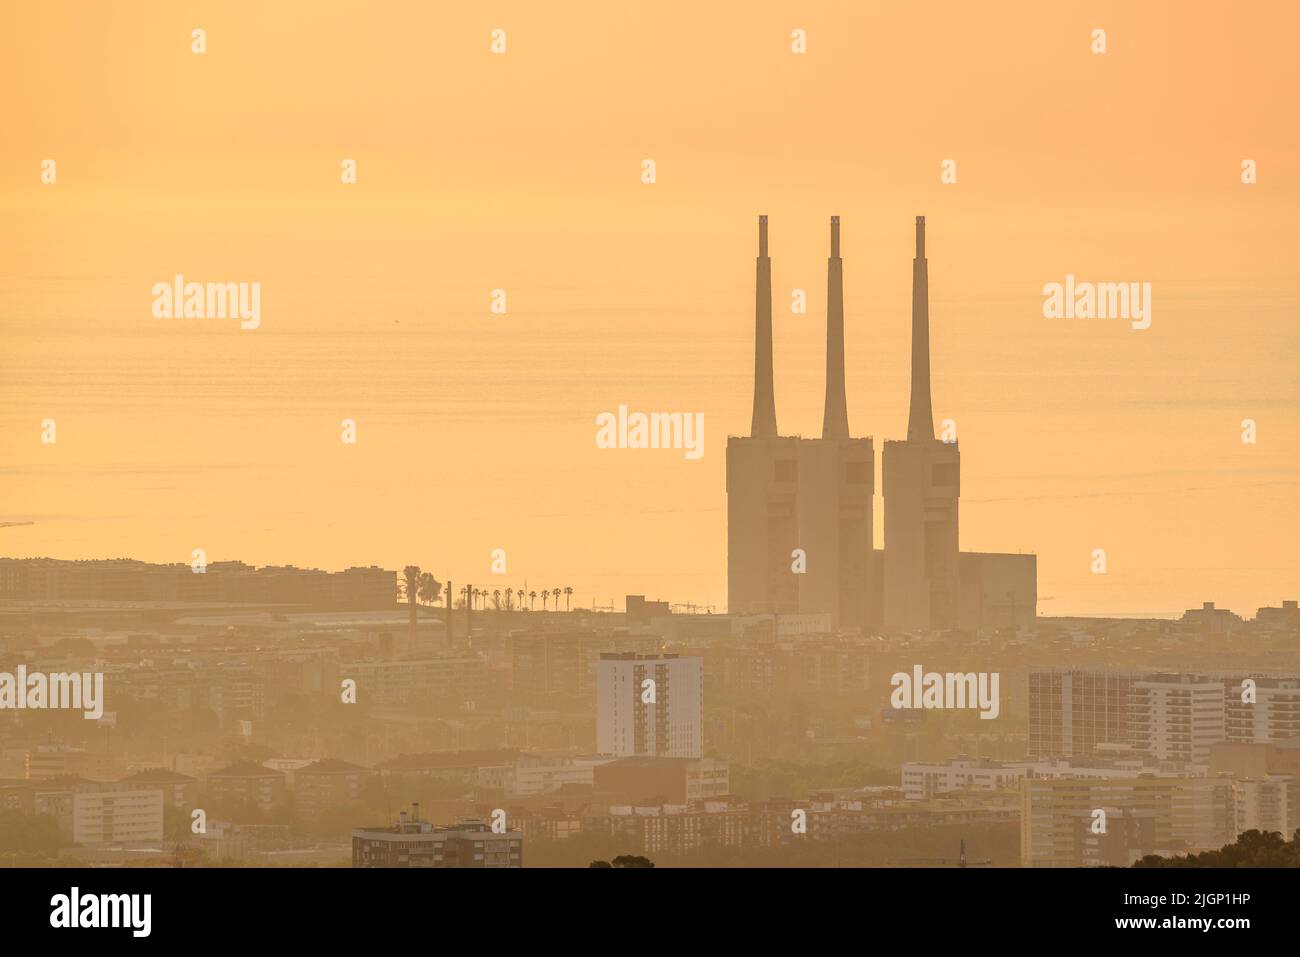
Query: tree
[(496, 599), (568, 593), (509, 594), (545, 595), (555, 593), (532, 597), (429, 588), (411, 574)]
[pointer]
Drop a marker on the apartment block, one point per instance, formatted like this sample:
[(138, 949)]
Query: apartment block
[(1273, 715), (1058, 815), (117, 817), (649, 705), (1074, 713), (1177, 717)]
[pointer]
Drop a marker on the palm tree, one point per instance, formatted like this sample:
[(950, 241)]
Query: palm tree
[(509, 594), (532, 597), (555, 593), (411, 574), (568, 593), (429, 588), (545, 595), (465, 591), (496, 599)]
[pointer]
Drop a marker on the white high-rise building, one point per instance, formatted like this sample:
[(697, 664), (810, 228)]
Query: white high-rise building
[(1273, 715), (1177, 717), (649, 705)]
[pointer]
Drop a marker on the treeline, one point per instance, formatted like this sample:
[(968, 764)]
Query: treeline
[(1251, 849)]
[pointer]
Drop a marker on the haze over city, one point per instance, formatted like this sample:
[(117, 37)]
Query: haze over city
[(791, 434), (476, 430)]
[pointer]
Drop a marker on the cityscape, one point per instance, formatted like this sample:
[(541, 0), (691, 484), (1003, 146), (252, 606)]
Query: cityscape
[(850, 450), (279, 716)]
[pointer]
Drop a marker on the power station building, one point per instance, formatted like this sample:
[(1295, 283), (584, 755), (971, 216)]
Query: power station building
[(799, 510), (768, 521)]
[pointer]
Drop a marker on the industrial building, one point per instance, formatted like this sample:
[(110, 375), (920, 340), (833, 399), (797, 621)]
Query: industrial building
[(799, 510)]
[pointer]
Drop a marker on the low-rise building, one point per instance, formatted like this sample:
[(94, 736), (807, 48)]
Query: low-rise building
[(117, 817), (544, 774), (922, 781), (416, 843)]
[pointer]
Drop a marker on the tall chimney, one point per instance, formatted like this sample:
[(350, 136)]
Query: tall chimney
[(920, 418), (764, 422), (835, 420)]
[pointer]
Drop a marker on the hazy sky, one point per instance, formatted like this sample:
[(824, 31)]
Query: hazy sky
[(522, 171)]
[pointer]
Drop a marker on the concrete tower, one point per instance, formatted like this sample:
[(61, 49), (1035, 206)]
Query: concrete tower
[(922, 482), (920, 417), (836, 477), (762, 481), (835, 419), (763, 424)]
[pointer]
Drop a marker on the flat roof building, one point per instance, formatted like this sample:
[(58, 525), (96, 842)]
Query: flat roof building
[(415, 843)]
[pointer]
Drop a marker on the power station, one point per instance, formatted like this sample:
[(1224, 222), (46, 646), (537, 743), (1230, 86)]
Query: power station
[(799, 510)]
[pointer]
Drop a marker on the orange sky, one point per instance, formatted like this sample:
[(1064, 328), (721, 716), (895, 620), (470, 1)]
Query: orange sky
[(521, 171)]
